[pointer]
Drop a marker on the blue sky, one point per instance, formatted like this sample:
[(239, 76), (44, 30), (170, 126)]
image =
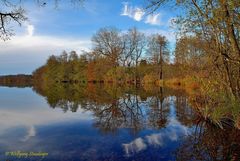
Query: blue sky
[(51, 30)]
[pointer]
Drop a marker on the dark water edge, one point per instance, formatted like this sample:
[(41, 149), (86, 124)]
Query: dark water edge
[(99, 123)]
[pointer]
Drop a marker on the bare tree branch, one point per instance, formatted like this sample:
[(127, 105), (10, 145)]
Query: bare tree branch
[(13, 12)]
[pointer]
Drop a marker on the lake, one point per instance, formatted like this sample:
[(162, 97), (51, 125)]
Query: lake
[(108, 123)]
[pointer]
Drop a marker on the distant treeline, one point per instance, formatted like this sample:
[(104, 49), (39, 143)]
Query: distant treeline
[(20, 80)]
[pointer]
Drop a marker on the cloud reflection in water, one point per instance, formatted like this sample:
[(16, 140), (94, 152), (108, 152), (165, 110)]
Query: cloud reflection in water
[(172, 133)]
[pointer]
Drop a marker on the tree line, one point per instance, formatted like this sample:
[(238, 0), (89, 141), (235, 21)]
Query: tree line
[(123, 57), (115, 57)]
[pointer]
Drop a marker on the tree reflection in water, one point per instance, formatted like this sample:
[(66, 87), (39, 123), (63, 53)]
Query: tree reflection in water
[(136, 109), (113, 107), (125, 112), (208, 142), (159, 110), (184, 113)]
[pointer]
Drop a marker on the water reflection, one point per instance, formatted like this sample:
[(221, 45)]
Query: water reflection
[(210, 143), (159, 110), (118, 107), (125, 112), (95, 122)]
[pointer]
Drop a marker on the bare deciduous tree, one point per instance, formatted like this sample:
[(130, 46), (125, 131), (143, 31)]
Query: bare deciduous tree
[(108, 43)]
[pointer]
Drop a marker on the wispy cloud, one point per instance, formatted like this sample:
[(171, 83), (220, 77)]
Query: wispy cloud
[(136, 13), (154, 19), (30, 133), (30, 30), (125, 11), (32, 50), (155, 139), (32, 118), (135, 146), (34, 43)]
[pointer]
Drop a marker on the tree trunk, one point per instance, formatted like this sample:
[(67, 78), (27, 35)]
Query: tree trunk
[(230, 29), (161, 64)]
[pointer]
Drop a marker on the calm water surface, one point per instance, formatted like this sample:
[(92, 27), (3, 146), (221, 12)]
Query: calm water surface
[(108, 124)]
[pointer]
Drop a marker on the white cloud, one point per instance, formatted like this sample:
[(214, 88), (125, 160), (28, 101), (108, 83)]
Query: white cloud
[(155, 139), (138, 14), (30, 133), (13, 118), (133, 12), (153, 19), (125, 11), (135, 146), (32, 50), (176, 124), (30, 30), (35, 43), (171, 133)]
